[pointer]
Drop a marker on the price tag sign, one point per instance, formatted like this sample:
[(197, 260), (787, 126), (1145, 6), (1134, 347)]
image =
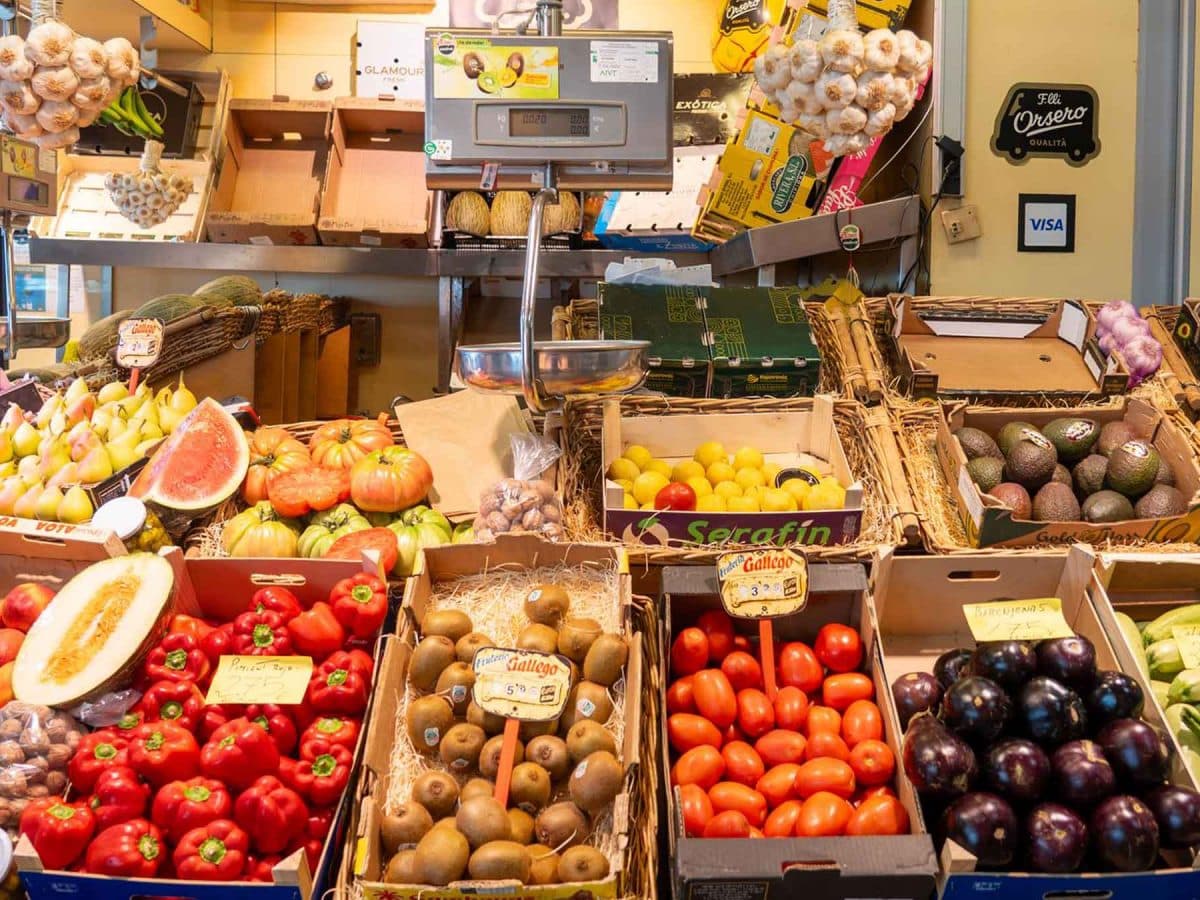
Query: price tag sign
[(1017, 620), (139, 342), (1188, 639), (763, 584), (521, 684), (282, 680)]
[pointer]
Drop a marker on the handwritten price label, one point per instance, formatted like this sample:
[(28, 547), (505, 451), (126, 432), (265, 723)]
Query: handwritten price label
[(282, 680), (521, 684), (763, 584), (1188, 639), (139, 342), (1017, 620)]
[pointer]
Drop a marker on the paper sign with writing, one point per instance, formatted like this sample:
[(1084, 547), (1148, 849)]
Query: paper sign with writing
[(521, 684), (139, 342), (1017, 620), (281, 680), (763, 584), (1188, 639)]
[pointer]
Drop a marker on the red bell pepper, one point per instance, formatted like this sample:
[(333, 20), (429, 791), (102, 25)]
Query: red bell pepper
[(59, 831), (277, 600), (338, 685), (128, 722), (341, 730), (260, 634), (98, 751), (163, 751), (360, 603), (317, 632), (213, 717), (216, 643), (214, 852), (197, 628), (322, 779), (118, 796), (238, 753), (172, 701), (359, 660), (277, 722), (315, 835), (260, 868), (183, 805), (272, 814), (132, 849), (177, 658)]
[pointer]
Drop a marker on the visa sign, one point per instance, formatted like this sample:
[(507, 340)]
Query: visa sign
[(1046, 225)]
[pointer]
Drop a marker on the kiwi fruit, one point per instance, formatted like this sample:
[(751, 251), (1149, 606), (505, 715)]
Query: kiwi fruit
[(469, 644), (520, 824), (407, 826), (546, 604), (605, 659), (562, 825), (427, 720), (530, 787), (551, 754), (401, 868), (429, 659), (576, 636), (460, 747), (541, 638), (586, 737), (437, 792), (489, 722), (596, 781), (530, 730), (441, 857), (477, 787), (455, 684), (449, 623), (499, 861), (447, 822), (587, 700), (473, 65), (543, 867), (489, 756), (482, 819), (582, 864)]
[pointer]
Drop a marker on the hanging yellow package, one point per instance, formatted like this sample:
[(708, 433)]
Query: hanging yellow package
[(743, 31)]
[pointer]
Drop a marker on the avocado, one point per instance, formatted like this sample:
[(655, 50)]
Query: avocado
[(1031, 461), (1062, 475), (1055, 503), (986, 472), (1132, 468), (1161, 502), (1166, 475), (1113, 435), (1015, 498), (1011, 433), (1089, 474), (976, 443), (1072, 438), (1107, 506)]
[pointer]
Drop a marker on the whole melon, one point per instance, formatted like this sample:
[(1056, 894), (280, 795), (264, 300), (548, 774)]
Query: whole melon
[(468, 212), (510, 213), (101, 338), (230, 290), (562, 217), (169, 307)]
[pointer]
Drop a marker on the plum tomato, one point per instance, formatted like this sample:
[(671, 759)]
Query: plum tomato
[(782, 820), (824, 814), (839, 648), (873, 762), (880, 814), (715, 699), (741, 642), (680, 696), (822, 718), (728, 824), (839, 691), (703, 766), (779, 746), (696, 809), (717, 625), (831, 775), (827, 744), (729, 795), (791, 708), (742, 763), (732, 734), (866, 793), (689, 652), (686, 731), (742, 670), (755, 714), (779, 783), (799, 667), (862, 721)]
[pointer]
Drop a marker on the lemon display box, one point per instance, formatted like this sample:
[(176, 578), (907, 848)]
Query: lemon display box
[(789, 439), (761, 343)]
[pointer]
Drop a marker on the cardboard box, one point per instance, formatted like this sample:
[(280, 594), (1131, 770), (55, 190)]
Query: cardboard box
[(707, 108), (51, 552), (789, 439), (869, 13), (269, 188), (389, 60), (375, 184), (1187, 335), (949, 353), (918, 602), (829, 868), (989, 523)]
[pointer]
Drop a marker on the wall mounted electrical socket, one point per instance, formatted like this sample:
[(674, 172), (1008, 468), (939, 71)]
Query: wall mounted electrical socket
[(961, 224)]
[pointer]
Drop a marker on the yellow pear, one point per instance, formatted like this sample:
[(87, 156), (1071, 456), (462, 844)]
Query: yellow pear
[(25, 440), (68, 474), (11, 490), (163, 397), (6, 446), (183, 400), (26, 505), (147, 412), (7, 469), (76, 506), (55, 457), (75, 390), (169, 419), (123, 451), (101, 419), (49, 408), (131, 404), (150, 431), (27, 468), (47, 504), (114, 390), (81, 408), (83, 443), (13, 417), (94, 467), (117, 427), (58, 423)]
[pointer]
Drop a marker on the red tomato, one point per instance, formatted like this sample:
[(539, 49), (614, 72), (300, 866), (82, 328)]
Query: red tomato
[(742, 670), (351, 546), (791, 708), (861, 722), (873, 762), (831, 775), (742, 763), (782, 820), (863, 794), (715, 699), (822, 718), (799, 667), (823, 815), (689, 652), (755, 833), (732, 734), (701, 765), (878, 815), (755, 714), (779, 784), (719, 628), (680, 696), (686, 731), (778, 747), (730, 795), (839, 648), (728, 824), (299, 492), (741, 642), (696, 809), (826, 744), (676, 496), (839, 691)]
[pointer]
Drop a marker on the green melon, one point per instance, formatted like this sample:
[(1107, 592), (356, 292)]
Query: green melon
[(230, 290), (101, 338), (169, 307)]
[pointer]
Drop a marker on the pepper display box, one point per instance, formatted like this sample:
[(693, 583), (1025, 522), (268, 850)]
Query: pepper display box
[(918, 602), (789, 439), (835, 868), (991, 524)]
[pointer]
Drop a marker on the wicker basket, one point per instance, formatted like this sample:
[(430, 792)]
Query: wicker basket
[(1176, 377)]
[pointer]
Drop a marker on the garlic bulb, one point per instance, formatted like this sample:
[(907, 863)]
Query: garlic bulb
[(812, 124), (880, 50), (88, 116), (901, 93), (14, 65), (806, 61), (89, 59), (57, 115), (842, 50), (774, 69), (788, 111), (874, 89), (123, 64), (847, 144), (836, 89), (49, 44), (91, 94), (22, 126), (55, 140), (149, 196), (18, 97), (803, 96), (880, 120), (54, 83), (846, 120)]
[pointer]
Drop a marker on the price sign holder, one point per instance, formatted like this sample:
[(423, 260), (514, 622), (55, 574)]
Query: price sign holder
[(521, 686), (1039, 619), (139, 343), (764, 585), (260, 679)]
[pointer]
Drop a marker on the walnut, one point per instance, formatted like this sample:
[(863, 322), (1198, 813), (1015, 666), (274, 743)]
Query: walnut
[(10, 729), (18, 804), (498, 522), (544, 488), (38, 790), (73, 739), (511, 509), (11, 753), (56, 782), (35, 741), (532, 520), (552, 530), (509, 487), (58, 756), (35, 769), (56, 729), (6, 813), (12, 783), (552, 512), (529, 499), (489, 504)]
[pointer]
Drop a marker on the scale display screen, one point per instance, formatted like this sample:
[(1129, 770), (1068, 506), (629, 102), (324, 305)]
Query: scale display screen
[(534, 122)]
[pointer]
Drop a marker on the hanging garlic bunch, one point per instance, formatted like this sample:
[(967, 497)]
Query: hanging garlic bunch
[(149, 196), (847, 88), (54, 82)]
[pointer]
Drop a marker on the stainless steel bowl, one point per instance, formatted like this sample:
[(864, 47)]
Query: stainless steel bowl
[(564, 368), (36, 332)]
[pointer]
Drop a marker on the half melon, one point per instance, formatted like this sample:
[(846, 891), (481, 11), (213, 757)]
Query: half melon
[(94, 631)]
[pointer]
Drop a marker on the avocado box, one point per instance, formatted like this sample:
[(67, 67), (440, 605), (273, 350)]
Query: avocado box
[(897, 867), (990, 523), (789, 439), (1187, 334)]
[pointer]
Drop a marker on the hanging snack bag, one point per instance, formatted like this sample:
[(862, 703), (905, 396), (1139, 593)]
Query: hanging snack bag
[(526, 503)]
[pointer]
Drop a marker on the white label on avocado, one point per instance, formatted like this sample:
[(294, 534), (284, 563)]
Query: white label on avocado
[(1136, 448)]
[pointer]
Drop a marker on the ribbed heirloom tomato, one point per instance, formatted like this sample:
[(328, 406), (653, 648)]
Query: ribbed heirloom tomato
[(703, 766), (719, 629), (715, 699), (862, 722), (340, 444), (686, 731), (742, 763), (742, 670), (729, 795), (390, 480), (680, 696), (696, 809), (755, 714), (823, 815), (838, 647), (799, 667)]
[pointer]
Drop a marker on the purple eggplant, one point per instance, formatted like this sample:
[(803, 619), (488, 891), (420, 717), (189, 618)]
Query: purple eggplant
[(986, 826), (1070, 661), (1082, 775), (976, 709), (1124, 834), (1008, 663), (1057, 839), (1051, 713), (915, 692), (1114, 696), (1177, 812), (1136, 751), (1017, 770), (937, 761), (951, 666)]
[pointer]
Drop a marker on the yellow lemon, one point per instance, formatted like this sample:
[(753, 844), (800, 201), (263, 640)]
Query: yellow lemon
[(720, 471), (638, 455), (623, 470), (709, 453), (727, 489), (749, 478), (825, 496), (798, 488), (813, 471), (742, 504), (630, 502), (711, 503), (770, 471), (647, 486), (685, 471), (626, 484), (646, 506), (777, 500), (748, 458), (700, 486), (662, 467)]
